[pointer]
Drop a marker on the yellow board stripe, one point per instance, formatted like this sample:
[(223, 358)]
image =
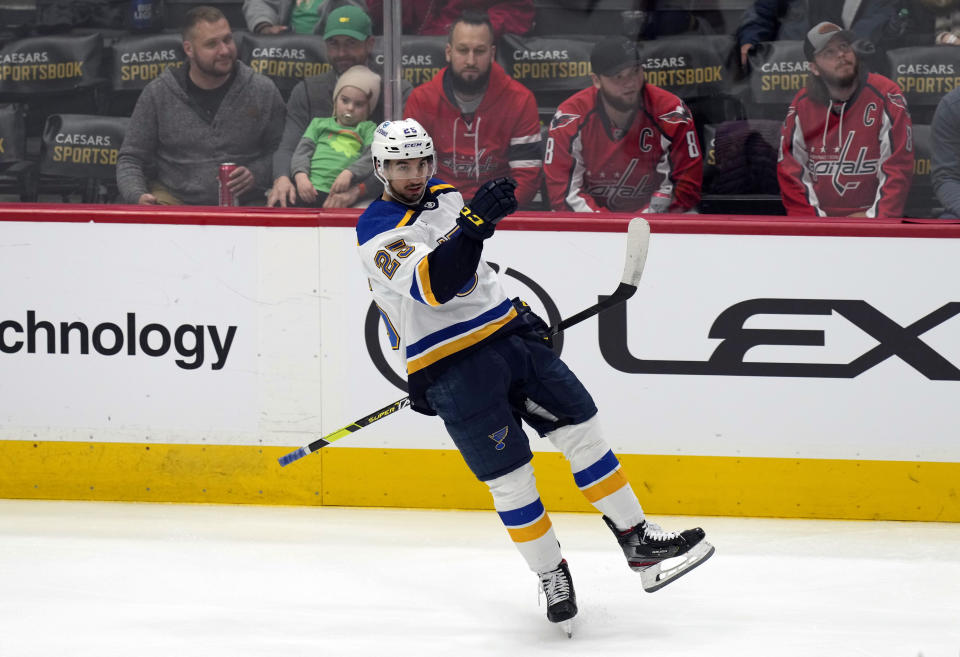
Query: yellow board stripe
[(614, 482), (423, 273), (409, 478), (459, 344), (531, 532)]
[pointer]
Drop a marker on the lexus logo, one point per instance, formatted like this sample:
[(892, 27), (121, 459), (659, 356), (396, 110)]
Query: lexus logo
[(902, 342)]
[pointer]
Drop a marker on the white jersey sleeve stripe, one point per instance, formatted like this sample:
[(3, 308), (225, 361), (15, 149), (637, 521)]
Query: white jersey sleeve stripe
[(800, 153), (886, 150), (573, 199), (528, 139)]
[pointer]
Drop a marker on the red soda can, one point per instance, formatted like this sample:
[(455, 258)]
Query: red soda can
[(227, 197)]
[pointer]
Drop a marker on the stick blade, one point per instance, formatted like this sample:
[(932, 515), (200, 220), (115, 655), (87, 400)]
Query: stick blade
[(638, 241)]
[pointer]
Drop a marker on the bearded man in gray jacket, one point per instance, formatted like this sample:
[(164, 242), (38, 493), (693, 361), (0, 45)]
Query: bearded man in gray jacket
[(190, 120)]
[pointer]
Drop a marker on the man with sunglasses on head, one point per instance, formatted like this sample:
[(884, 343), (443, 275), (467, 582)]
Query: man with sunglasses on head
[(846, 146)]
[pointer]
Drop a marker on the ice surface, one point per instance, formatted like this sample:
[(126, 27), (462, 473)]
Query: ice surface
[(141, 580)]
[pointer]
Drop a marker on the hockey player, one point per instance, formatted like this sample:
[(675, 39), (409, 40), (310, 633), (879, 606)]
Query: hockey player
[(622, 145), (846, 146), (482, 362)]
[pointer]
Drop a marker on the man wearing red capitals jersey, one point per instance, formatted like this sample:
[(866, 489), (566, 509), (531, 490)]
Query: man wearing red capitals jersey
[(622, 145), (846, 146), (484, 123)]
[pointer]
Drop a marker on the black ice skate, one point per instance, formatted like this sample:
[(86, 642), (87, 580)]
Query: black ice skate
[(660, 556), (561, 599)]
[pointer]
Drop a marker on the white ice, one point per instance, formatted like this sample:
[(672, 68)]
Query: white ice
[(101, 579)]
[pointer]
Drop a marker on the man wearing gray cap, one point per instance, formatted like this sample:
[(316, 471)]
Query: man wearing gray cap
[(846, 146), (622, 145)]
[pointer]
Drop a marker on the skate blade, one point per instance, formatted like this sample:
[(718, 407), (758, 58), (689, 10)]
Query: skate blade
[(656, 577), (567, 626)]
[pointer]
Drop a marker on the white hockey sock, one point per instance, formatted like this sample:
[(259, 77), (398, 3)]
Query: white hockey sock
[(517, 501), (597, 472)]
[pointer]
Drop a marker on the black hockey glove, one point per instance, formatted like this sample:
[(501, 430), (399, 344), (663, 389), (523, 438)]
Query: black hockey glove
[(492, 202), (535, 326)]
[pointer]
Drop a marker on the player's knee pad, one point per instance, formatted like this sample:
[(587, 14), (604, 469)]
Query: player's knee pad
[(583, 444), (515, 489)]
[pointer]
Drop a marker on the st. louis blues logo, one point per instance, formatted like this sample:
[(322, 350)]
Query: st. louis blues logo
[(897, 99), (560, 120), (499, 436), (680, 115)]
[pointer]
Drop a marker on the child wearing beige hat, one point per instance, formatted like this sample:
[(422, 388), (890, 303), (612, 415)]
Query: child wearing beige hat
[(331, 144)]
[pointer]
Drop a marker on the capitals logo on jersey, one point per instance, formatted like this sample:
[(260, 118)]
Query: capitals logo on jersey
[(560, 120), (841, 166), (897, 99), (680, 115)]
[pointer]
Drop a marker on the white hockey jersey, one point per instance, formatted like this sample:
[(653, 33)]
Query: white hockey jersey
[(429, 329)]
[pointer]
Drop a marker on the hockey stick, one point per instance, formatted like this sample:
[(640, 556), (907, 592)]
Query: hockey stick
[(638, 241)]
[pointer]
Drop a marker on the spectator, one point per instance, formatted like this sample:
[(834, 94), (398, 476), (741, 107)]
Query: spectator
[(189, 120), (622, 145), (946, 20), (349, 42), (846, 146), (331, 144), (298, 16), (945, 135), (433, 17), (484, 123), (776, 20)]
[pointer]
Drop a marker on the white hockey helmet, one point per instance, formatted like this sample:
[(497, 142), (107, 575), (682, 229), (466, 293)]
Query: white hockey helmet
[(405, 139)]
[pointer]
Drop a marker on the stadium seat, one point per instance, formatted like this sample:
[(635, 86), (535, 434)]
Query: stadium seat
[(79, 156), (553, 68), (17, 172), (778, 70), (922, 201), (421, 56), (924, 74), (740, 167), (136, 61), (284, 58), (700, 71), (56, 73)]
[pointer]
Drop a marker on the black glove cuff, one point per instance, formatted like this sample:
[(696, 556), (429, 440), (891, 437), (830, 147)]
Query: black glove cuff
[(473, 225)]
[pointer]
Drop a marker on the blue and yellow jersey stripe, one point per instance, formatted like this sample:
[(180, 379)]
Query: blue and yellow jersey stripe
[(422, 289), (459, 336)]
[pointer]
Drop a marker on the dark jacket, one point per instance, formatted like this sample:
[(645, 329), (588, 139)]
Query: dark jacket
[(779, 20)]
